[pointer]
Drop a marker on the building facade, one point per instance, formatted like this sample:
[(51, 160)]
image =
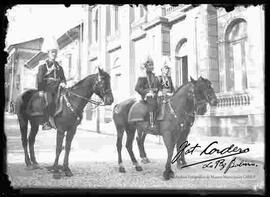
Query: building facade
[(201, 40), (17, 76)]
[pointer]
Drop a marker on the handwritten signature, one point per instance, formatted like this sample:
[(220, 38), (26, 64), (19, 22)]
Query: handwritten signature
[(217, 162)]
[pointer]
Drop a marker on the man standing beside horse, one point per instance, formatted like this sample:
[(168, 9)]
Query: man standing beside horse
[(148, 86), (49, 77)]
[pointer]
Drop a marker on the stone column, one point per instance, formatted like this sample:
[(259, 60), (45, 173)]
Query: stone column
[(126, 48)]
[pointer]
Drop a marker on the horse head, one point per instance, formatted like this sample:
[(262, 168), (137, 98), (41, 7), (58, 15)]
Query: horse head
[(203, 91), (102, 87)]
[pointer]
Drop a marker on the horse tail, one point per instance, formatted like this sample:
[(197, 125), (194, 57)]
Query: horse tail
[(20, 109)]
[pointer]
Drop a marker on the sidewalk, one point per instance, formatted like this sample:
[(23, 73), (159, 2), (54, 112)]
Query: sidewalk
[(256, 150)]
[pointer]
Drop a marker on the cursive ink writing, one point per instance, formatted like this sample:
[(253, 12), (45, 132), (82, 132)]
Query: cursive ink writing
[(242, 163), (231, 149), (222, 164), (183, 150)]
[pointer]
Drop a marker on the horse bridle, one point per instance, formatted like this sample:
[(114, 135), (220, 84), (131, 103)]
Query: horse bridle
[(96, 103), (192, 95)]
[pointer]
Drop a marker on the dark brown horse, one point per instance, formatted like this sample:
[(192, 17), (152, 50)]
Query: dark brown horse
[(178, 110), (200, 109), (74, 100)]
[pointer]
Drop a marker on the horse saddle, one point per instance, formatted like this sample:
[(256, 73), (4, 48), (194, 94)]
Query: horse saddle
[(40, 100), (139, 112), (37, 103)]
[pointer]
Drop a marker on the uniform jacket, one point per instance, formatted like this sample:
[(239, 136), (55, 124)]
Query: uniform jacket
[(142, 86), (166, 83), (49, 80)]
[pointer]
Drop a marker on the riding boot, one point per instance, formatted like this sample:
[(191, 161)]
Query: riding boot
[(152, 126), (47, 125)]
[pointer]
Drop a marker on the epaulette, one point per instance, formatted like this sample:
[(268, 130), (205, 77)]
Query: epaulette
[(41, 62)]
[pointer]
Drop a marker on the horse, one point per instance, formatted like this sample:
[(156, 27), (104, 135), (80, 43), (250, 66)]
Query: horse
[(179, 108), (73, 100), (201, 109)]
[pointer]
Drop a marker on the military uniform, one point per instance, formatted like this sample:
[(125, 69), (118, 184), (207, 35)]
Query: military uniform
[(146, 84), (50, 75), (166, 84)]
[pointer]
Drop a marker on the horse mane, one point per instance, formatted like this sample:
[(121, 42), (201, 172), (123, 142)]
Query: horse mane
[(81, 81), (179, 88), (103, 73)]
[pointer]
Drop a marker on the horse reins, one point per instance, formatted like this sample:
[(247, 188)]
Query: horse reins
[(186, 115), (86, 99), (69, 105)]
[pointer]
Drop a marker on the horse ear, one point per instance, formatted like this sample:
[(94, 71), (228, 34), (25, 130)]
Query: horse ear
[(201, 78), (192, 80)]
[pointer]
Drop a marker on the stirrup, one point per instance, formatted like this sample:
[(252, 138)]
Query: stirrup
[(46, 126)]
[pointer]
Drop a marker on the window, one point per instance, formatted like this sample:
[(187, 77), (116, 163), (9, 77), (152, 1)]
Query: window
[(96, 26), (236, 43), (141, 10), (108, 20), (116, 18), (181, 66)]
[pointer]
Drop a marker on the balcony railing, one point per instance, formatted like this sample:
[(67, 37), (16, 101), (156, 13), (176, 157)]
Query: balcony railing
[(233, 99), (169, 9)]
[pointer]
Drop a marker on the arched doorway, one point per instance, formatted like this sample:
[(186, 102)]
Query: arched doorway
[(181, 63), (236, 49)]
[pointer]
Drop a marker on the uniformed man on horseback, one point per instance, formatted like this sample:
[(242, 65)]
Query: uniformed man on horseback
[(165, 80), (148, 87), (49, 77)]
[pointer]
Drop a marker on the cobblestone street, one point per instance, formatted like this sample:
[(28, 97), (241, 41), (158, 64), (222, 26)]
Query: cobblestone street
[(93, 161)]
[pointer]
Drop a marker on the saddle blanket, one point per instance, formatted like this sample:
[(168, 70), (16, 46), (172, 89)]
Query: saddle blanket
[(139, 112)]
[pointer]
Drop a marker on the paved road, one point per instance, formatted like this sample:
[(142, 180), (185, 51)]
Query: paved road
[(93, 161)]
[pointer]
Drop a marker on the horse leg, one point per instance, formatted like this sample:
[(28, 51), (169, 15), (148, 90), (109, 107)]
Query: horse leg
[(140, 142), (181, 160), (23, 122), (130, 138), (120, 132), (168, 141), (69, 137), (59, 142), (31, 139)]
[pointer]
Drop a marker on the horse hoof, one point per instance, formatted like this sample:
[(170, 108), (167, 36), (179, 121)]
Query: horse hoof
[(138, 168), (145, 160), (54, 168), (166, 175), (36, 166), (171, 174), (122, 169), (68, 173)]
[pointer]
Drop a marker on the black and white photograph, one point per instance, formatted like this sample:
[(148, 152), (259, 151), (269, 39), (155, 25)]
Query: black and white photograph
[(141, 97)]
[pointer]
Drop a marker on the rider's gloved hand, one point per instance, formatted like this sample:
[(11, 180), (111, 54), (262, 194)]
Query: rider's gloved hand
[(63, 85), (149, 94)]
